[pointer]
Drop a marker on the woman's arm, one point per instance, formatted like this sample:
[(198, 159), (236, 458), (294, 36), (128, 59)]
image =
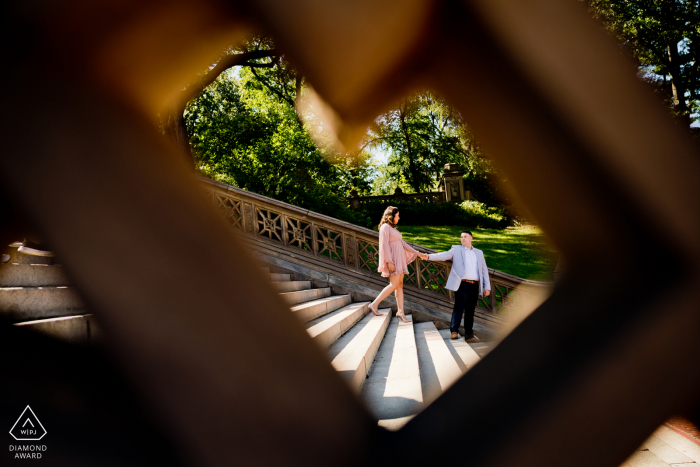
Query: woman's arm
[(384, 257), (411, 253)]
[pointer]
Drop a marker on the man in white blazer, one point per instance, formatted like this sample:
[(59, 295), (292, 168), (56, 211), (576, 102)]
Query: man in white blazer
[(468, 279)]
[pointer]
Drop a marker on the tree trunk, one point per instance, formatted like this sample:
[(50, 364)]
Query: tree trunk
[(411, 162), (174, 121), (677, 85)]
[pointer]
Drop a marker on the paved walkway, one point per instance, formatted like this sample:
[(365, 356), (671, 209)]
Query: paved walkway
[(685, 428), (668, 446)]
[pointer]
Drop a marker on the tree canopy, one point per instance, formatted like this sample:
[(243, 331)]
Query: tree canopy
[(420, 136), (664, 36), (249, 54), (243, 128), (245, 131)]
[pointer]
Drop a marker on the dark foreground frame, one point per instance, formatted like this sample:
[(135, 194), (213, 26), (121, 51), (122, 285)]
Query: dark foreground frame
[(221, 373)]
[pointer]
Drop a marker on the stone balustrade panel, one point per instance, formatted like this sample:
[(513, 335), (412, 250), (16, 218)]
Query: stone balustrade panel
[(351, 247)]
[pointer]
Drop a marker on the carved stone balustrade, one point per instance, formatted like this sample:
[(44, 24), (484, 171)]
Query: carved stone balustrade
[(340, 247)]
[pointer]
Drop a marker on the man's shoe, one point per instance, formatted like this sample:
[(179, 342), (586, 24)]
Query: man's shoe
[(472, 340), (454, 336)]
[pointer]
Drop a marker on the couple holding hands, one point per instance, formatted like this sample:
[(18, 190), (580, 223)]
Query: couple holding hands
[(468, 279)]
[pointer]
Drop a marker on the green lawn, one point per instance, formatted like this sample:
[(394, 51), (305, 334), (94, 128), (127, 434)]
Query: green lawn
[(520, 251)]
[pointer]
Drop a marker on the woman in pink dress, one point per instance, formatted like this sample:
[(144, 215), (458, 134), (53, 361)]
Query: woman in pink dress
[(394, 256)]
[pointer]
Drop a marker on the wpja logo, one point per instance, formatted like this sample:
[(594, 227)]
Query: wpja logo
[(28, 428)]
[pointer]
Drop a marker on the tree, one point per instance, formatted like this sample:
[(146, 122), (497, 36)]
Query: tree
[(249, 54), (664, 36), (245, 131), (420, 137), (423, 134)]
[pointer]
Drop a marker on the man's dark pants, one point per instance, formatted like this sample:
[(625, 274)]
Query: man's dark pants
[(465, 303)]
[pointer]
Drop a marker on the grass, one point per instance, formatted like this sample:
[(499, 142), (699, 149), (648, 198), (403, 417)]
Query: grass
[(521, 251)]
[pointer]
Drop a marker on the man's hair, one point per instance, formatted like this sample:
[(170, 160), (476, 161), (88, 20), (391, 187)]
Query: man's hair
[(467, 232)]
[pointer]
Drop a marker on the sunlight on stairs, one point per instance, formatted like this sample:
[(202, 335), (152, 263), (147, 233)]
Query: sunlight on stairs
[(396, 368), (399, 368)]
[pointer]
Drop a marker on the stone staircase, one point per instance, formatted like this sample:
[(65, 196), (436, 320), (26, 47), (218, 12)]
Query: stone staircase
[(35, 292), (396, 368)]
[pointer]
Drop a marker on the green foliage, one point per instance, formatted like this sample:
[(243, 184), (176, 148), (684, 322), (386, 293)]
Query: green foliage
[(664, 36), (521, 251), (470, 214), (478, 209), (244, 131), (386, 182), (422, 135)]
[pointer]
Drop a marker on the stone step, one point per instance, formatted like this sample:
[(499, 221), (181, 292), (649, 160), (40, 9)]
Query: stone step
[(32, 275), (463, 353), (483, 348), (353, 354), (684, 446), (22, 258), (393, 390), (301, 296), (327, 329), (31, 303), (280, 277), (438, 368), (655, 451), (310, 310), (292, 286), (80, 329)]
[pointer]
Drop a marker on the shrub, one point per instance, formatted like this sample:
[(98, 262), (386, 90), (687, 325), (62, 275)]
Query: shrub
[(469, 214), (477, 209)]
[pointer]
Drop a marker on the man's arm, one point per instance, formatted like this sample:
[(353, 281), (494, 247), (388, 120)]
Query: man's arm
[(444, 256), (485, 275)]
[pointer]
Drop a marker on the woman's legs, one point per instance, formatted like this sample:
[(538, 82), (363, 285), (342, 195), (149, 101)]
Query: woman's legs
[(394, 281), (399, 302), (398, 293)]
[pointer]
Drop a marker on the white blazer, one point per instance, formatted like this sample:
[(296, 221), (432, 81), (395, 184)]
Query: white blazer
[(456, 254)]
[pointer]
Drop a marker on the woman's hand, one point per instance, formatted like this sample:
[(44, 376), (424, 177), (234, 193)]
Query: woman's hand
[(390, 266), (423, 256)]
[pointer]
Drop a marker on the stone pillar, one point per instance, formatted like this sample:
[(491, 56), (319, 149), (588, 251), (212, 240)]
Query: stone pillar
[(398, 194), (453, 183), (354, 201)]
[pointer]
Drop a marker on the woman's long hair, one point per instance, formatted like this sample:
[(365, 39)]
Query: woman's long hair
[(388, 216)]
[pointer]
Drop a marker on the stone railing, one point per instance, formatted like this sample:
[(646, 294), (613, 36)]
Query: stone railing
[(432, 197), (348, 248)]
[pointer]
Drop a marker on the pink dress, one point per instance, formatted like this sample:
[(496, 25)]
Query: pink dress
[(393, 249)]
